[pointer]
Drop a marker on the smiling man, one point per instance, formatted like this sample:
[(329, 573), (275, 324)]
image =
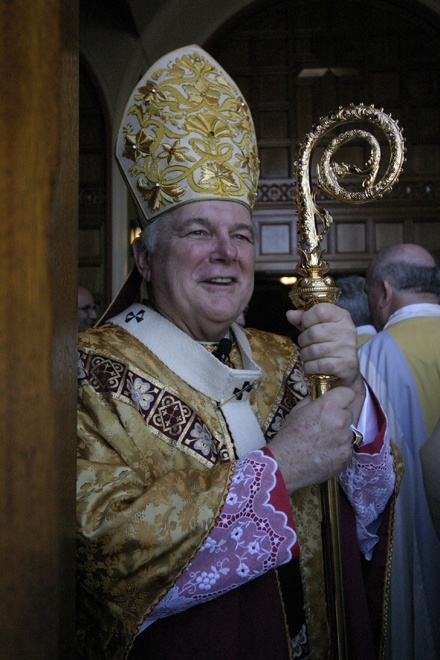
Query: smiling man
[(198, 447), (201, 276)]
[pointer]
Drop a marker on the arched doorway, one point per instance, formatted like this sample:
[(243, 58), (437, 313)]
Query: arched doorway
[(295, 61)]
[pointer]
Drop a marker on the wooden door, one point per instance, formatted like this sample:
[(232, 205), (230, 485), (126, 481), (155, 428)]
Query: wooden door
[(38, 280)]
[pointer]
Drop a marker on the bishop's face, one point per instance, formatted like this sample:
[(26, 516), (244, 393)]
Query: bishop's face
[(201, 274)]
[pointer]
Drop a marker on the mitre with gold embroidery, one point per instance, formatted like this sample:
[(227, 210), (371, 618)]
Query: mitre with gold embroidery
[(187, 135)]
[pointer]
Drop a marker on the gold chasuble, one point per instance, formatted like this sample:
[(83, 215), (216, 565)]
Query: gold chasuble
[(422, 356), (162, 456), (156, 456)]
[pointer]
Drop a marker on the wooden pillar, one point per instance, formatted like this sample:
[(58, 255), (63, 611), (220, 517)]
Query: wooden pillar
[(38, 280)]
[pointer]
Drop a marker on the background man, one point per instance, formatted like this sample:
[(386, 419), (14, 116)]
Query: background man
[(193, 432), (402, 365), (354, 299), (86, 309), (430, 457)]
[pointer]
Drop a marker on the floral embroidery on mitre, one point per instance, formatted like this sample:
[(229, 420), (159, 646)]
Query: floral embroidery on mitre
[(187, 135)]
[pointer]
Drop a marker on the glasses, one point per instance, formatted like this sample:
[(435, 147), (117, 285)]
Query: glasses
[(88, 309)]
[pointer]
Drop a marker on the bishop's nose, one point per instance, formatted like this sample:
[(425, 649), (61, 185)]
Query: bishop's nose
[(224, 249)]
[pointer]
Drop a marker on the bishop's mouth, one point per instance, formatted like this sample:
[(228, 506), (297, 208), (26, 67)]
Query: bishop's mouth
[(220, 281)]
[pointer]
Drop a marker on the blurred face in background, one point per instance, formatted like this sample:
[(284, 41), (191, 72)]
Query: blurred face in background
[(86, 309)]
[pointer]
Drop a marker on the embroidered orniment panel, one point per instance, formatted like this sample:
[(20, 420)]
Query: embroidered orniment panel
[(166, 414), (296, 388)]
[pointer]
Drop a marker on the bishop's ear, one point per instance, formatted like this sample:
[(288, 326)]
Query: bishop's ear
[(141, 258)]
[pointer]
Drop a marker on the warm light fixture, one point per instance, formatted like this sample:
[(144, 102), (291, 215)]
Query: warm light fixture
[(288, 280), (135, 230)]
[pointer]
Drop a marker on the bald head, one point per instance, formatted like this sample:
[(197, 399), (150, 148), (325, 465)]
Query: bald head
[(401, 275), (403, 253)]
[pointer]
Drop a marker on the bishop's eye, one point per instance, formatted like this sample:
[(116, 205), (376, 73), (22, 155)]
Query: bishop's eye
[(198, 232), (248, 238)]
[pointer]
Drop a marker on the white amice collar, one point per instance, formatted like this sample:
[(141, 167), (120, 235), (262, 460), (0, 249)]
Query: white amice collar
[(202, 370), (416, 310)]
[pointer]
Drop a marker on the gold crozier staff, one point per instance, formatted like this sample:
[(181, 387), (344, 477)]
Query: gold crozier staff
[(315, 286)]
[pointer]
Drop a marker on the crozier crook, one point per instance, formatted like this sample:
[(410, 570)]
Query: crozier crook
[(315, 286)]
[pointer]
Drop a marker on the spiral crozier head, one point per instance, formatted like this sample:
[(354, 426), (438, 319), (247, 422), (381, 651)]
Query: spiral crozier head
[(315, 222)]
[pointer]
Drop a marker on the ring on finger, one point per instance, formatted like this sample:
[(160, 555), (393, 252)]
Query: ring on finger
[(358, 438)]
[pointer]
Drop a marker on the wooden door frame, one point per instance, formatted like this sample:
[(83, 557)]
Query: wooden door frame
[(38, 326)]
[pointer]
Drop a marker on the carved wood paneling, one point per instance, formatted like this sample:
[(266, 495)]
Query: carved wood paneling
[(295, 61)]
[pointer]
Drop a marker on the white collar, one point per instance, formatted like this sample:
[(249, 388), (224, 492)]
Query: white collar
[(417, 310), (366, 330), (202, 370)]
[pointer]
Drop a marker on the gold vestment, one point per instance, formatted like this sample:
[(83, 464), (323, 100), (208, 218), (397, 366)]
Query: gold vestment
[(146, 499)]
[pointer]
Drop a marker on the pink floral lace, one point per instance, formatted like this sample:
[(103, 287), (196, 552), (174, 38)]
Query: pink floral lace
[(368, 481), (254, 533)]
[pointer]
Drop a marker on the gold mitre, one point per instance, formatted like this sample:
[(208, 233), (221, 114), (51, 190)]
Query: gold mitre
[(187, 135)]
